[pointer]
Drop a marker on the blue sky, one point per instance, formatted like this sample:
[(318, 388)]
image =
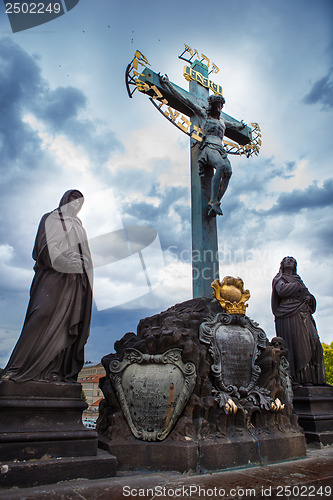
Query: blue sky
[(66, 122)]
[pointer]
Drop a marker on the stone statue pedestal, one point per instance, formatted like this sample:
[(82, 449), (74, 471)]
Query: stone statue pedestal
[(186, 393), (206, 454), (40, 419), (314, 406), (42, 437)]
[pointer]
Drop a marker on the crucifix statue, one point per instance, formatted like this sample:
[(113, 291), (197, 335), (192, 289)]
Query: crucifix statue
[(200, 116), (212, 154)]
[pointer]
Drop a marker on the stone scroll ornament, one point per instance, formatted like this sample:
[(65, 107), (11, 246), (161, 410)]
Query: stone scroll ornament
[(235, 343), (152, 390)]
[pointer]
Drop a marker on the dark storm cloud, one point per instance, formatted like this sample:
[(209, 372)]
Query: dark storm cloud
[(20, 81), (312, 197), (22, 91), (60, 105), (61, 108), (26, 165), (322, 92), (168, 199), (246, 227), (259, 173), (172, 230)]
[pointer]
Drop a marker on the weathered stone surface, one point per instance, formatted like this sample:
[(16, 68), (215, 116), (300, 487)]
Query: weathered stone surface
[(37, 472), (234, 439), (152, 390), (314, 406), (41, 419), (311, 476), (135, 454)]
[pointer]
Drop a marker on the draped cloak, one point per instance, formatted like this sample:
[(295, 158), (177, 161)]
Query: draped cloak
[(293, 306), (57, 323)]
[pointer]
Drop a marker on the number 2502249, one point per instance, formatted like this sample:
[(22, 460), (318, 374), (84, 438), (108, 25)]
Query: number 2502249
[(32, 8)]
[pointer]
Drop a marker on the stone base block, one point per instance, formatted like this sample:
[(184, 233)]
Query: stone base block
[(206, 454), (133, 454), (319, 439), (314, 406), (247, 450), (281, 447), (37, 472), (226, 453), (43, 420)]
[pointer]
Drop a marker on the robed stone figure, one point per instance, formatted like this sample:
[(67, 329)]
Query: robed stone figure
[(293, 306), (56, 328)]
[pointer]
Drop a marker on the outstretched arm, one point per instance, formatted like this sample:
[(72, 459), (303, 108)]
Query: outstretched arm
[(197, 110), (235, 125)]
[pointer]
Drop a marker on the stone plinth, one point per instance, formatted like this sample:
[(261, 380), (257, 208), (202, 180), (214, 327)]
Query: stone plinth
[(205, 454), (38, 472), (234, 416), (314, 406), (39, 419)]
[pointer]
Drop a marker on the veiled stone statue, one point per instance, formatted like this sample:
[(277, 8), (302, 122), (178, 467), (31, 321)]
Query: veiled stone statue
[(56, 328), (293, 306)]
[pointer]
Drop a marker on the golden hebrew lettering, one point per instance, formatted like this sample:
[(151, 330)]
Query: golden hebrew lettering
[(181, 121), (191, 51), (138, 56), (215, 68), (185, 124), (158, 94), (141, 86), (137, 74), (206, 59), (188, 49), (196, 133), (172, 114)]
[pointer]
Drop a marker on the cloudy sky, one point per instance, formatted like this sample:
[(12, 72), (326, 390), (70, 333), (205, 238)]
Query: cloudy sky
[(66, 121)]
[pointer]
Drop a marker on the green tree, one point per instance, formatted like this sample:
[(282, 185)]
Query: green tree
[(83, 396), (328, 358)]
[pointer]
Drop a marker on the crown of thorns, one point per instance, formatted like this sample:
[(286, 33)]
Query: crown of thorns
[(212, 99)]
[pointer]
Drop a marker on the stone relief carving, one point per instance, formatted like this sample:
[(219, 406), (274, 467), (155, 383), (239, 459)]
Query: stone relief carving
[(235, 342)]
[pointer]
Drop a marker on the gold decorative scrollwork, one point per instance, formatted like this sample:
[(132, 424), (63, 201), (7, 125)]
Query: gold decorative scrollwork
[(133, 74), (134, 82), (190, 74), (194, 52), (250, 149)]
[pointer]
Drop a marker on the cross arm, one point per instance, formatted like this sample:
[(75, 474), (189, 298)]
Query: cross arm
[(177, 98), (236, 130), (188, 104), (182, 97)]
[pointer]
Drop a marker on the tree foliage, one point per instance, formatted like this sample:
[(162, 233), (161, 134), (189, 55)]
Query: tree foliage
[(328, 358)]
